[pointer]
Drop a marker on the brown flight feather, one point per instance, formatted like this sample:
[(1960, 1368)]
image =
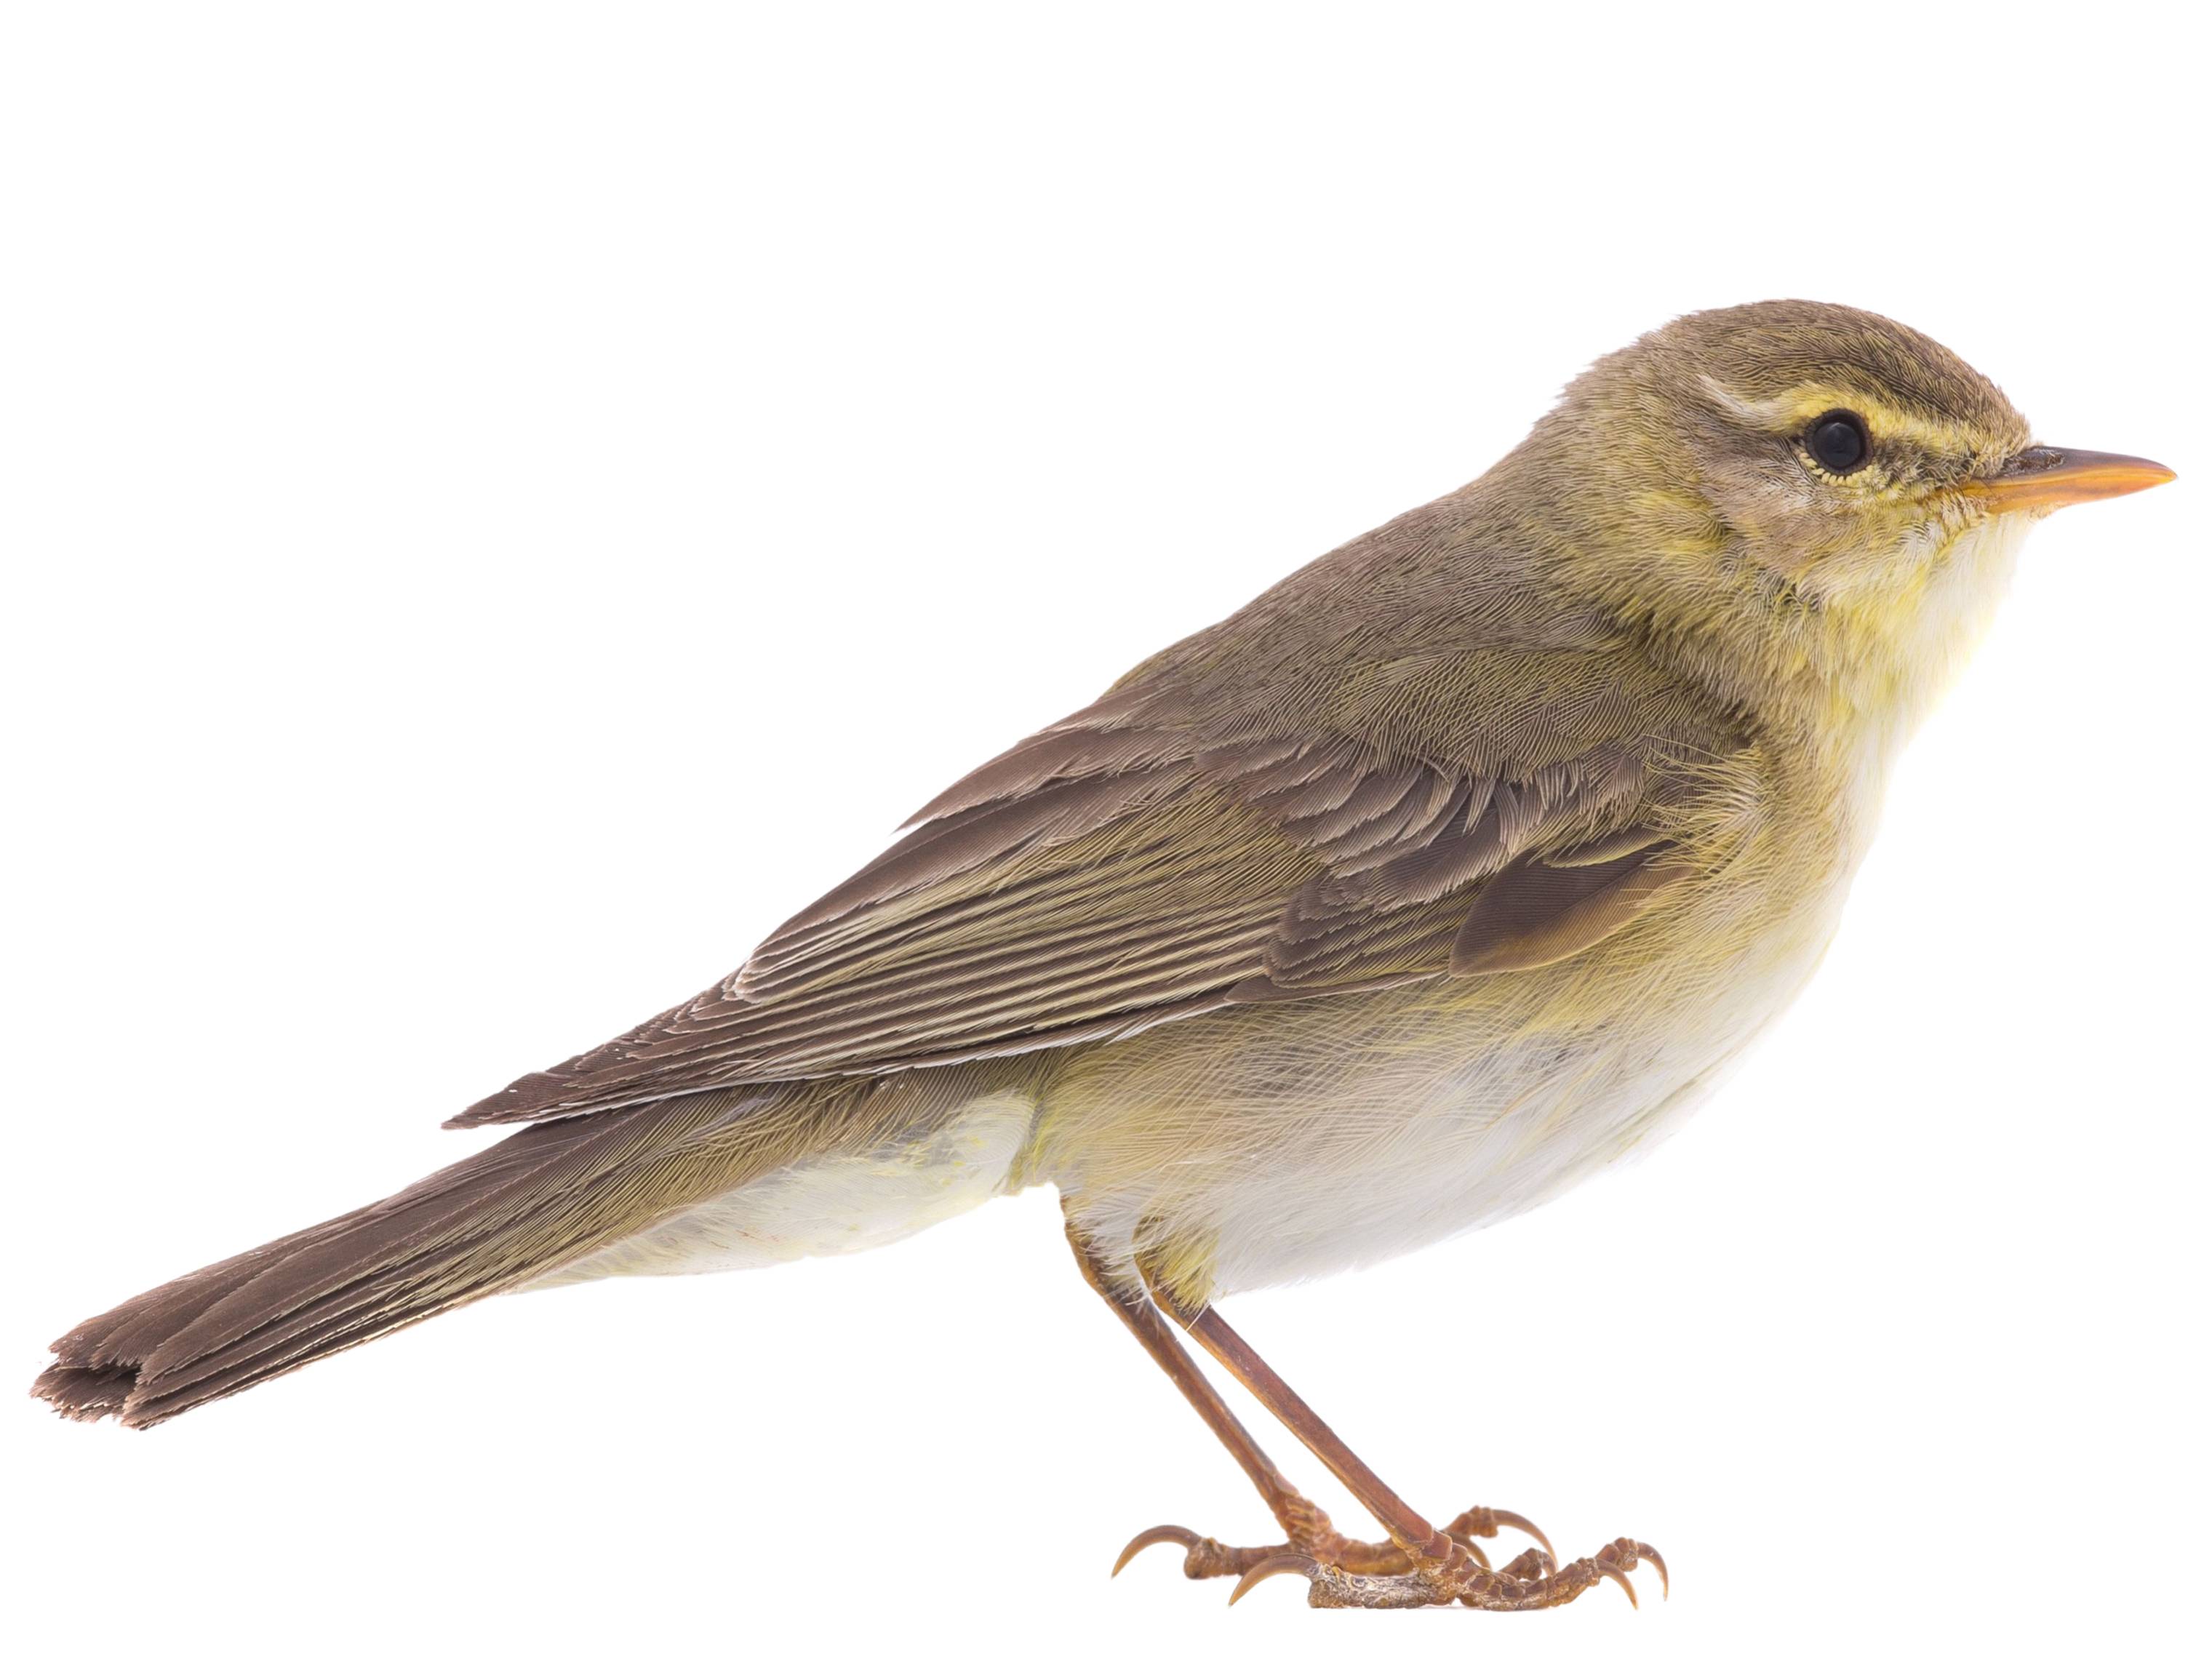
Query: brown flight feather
[(547, 1195)]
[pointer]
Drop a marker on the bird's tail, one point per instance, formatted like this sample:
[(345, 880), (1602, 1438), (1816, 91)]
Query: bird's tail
[(535, 1203)]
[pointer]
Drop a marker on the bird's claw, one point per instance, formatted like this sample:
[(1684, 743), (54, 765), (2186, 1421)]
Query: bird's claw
[(1621, 1579), (1532, 1579), (1340, 1572), (1618, 1558), (1287, 1561), (1482, 1521), (1311, 1535), (1202, 1556), (1152, 1536), (1632, 1552)]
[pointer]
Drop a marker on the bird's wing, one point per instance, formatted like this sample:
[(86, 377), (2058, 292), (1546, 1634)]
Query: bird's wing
[(1414, 756), (1140, 863)]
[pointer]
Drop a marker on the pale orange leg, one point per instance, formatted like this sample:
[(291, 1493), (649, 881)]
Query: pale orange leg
[(1306, 1527)]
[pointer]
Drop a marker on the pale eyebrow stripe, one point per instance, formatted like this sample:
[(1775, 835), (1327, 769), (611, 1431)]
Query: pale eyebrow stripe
[(1786, 409)]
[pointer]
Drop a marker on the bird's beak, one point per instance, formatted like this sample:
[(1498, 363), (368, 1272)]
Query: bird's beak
[(2047, 479)]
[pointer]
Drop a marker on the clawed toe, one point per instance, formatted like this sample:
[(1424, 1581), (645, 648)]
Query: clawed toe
[(1621, 1579), (1287, 1561), (1152, 1536), (1618, 1558), (1202, 1556), (1343, 1573), (1532, 1580), (1483, 1522), (1622, 1553)]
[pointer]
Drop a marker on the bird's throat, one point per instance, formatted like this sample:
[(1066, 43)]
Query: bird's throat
[(1901, 646)]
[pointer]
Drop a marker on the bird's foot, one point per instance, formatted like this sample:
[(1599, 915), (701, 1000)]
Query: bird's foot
[(1531, 1580), (1313, 1540)]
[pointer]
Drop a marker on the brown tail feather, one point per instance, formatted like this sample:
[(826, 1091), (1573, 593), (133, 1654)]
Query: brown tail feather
[(535, 1201)]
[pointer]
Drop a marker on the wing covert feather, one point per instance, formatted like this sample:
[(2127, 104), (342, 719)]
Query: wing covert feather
[(1304, 809)]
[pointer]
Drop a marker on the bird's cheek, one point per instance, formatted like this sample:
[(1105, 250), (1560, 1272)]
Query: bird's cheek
[(1805, 546)]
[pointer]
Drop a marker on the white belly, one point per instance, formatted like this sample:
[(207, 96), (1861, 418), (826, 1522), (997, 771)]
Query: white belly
[(1296, 1141)]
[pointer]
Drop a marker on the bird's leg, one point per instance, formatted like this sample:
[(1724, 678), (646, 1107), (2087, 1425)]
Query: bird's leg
[(1422, 1566), (1304, 1524), (1306, 1528), (1442, 1568)]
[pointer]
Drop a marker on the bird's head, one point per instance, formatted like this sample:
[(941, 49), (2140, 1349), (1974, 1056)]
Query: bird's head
[(1823, 503)]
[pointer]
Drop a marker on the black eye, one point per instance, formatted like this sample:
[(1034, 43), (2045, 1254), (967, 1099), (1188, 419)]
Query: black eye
[(1838, 441)]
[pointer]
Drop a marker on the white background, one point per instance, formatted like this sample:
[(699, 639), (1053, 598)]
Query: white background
[(502, 505)]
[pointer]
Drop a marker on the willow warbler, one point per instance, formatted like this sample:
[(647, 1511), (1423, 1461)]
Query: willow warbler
[(1444, 873)]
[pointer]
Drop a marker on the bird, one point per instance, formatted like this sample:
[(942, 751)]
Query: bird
[(1452, 869)]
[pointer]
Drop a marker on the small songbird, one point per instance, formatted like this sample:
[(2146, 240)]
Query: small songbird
[(1447, 871)]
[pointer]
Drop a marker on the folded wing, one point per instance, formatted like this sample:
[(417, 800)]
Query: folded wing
[(1290, 805)]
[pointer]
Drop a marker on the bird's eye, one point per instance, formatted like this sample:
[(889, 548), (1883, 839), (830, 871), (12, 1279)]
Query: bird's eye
[(1838, 440)]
